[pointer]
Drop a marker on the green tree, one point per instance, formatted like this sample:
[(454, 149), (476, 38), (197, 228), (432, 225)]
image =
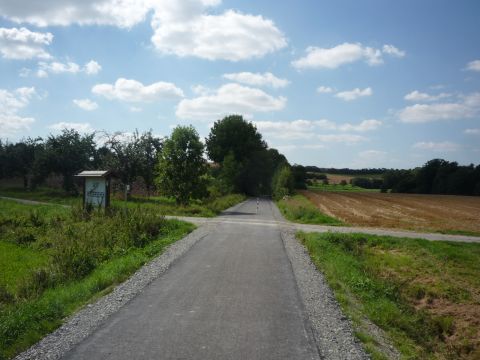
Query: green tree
[(181, 166), (149, 147), (283, 182), (239, 149), (66, 154)]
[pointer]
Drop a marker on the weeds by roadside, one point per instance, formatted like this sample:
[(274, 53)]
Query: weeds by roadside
[(299, 209), (53, 260), (424, 295)]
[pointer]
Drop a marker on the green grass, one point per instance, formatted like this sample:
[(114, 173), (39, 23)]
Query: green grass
[(424, 295), (42, 194), (200, 208), (54, 259), (299, 209), (338, 187), (164, 205)]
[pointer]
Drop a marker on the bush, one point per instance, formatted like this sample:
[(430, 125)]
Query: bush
[(5, 296), (36, 283)]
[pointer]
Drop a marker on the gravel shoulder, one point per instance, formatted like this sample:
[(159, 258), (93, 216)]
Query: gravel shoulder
[(87, 320)]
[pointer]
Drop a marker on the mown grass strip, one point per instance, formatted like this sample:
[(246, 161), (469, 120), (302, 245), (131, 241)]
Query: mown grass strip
[(424, 295), (299, 209), (26, 322)]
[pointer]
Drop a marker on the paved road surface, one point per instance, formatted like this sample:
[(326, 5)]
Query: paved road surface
[(232, 296)]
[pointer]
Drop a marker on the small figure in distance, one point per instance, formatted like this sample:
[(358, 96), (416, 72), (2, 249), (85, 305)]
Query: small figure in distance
[(257, 204)]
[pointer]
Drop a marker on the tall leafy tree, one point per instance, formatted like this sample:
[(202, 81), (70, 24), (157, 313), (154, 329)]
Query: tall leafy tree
[(66, 154), (149, 148), (181, 166)]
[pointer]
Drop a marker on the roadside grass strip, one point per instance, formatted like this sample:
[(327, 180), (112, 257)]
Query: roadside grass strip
[(54, 260), (424, 295), (299, 209)]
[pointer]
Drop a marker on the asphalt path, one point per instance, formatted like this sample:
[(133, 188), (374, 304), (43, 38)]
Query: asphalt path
[(233, 295)]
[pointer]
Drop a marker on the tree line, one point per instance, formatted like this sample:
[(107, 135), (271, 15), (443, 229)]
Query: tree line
[(437, 176), (241, 160)]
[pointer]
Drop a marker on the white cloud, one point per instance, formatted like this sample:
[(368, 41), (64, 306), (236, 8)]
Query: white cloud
[(354, 94), (308, 129), (348, 139), (424, 97), (297, 129), (10, 104), (346, 53), (134, 91), (257, 79), (92, 67), (445, 146), (86, 104), (365, 125), (201, 90), (183, 28), (80, 127), (22, 44), (466, 107), (229, 99), (393, 51), (186, 29), (325, 90), (474, 65), (121, 13), (70, 67), (472, 131), (135, 109)]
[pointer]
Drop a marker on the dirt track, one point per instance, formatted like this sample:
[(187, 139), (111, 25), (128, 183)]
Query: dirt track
[(401, 211)]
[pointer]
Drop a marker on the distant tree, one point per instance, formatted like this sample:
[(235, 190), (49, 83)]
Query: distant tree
[(149, 147), (18, 159), (300, 176), (124, 157), (66, 154), (283, 182), (181, 166)]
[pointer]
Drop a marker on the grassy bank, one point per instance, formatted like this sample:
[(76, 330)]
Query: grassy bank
[(163, 205), (424, 295), (53, 260), (299, 209), (339, 187)]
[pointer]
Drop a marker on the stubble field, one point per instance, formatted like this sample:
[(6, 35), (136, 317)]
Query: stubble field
[(443, 213)]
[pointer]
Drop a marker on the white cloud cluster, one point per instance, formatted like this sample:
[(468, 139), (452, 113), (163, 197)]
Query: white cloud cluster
[(134, 91), (121, 13), (308, 129), (325, 89), (474, 65), (466, 107), (10, 104), (354, 94), (80, 127), (424, 97), (346, 53), (86, 104), (229, 99), (183, 27), (445, 146), (257, 79), (22, 44), (56, 67)]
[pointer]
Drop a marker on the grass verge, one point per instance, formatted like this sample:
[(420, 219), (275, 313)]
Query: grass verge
[(56, 260), (339, 187), (299, 209), (424, 295)]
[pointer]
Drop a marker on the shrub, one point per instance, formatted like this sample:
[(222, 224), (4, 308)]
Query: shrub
[(36, 283), (5, 296)]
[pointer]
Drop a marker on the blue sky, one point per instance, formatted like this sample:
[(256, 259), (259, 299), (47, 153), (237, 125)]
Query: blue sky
[(340, 83)]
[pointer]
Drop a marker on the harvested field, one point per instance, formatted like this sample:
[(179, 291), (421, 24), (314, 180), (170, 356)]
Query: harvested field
[(337, 179), (435, 213)]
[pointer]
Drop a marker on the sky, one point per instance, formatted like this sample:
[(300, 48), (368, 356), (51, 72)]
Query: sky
[(359, 83)]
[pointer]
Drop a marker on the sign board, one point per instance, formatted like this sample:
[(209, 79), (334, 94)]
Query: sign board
[(95, 191), (96, 188)]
